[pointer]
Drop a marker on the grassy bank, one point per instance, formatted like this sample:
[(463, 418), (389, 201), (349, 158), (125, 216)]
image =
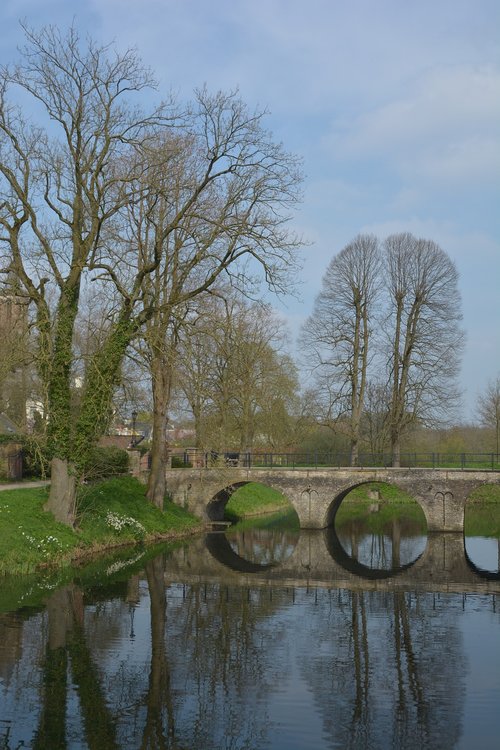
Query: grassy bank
[(377, 512), (110, 514), (254, 499), (482, 513)]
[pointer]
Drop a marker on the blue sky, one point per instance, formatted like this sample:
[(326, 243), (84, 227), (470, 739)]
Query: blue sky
[(393, 105)]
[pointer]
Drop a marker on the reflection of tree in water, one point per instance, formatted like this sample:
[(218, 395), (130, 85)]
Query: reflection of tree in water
[(400, 542), (202, 665), (225, 672), (159, 726), (204, 682), (66, 646), (380, 680), (263, 546)]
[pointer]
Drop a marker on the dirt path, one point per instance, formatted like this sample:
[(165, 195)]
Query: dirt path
[(24, 485)]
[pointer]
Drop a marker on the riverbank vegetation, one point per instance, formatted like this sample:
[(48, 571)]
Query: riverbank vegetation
[(109, 514)]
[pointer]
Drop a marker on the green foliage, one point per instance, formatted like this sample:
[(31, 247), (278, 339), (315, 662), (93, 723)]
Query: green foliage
[(111, 513), (179, 463), (253, 499), (482, 512), (9, 437), (36, 458), (105, 462), (285, 519)]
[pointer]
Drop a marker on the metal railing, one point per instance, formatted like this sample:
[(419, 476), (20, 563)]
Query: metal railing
[(317, 460)]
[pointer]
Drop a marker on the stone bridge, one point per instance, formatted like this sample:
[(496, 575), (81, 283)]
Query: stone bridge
[(316, 494), (318, 560)]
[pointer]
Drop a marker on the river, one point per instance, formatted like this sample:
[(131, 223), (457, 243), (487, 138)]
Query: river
[(259, 638)]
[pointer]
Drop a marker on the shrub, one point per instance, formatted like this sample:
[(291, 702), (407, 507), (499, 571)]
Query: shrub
[(106, 461), (36, 458), (179, 463)]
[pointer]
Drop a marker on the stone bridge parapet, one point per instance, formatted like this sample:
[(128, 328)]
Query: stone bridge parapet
[(316, 494)]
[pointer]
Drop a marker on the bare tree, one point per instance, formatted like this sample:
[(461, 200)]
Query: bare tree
[(488, 406), (375, 416), (337, 335), (234, 375), (423, 336), (262, 377), (220, 210), (83, 197), (62, 182)]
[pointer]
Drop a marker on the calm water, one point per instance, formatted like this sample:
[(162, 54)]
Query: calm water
[(260, 639)]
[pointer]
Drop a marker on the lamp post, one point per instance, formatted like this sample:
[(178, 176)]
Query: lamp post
[(134, 420)]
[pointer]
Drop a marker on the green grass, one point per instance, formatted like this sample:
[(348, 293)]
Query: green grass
[(377, 514), (482, 512), (111, 513), (486, 493), (254, 499), (389, 493), (284, 519)]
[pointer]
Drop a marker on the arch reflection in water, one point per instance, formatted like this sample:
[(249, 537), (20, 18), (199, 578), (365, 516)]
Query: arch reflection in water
[(361, 549), (482, 536), (379, 528), (254, 550), (483, 557)]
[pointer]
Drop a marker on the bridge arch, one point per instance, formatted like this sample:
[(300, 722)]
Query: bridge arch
[(215, 507), (487, 575), (337, 501)]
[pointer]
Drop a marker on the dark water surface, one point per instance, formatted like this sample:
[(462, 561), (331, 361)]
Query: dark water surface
[(260, 639)]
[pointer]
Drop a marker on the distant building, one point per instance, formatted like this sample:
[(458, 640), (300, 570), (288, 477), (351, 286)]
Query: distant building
[(13, 359)]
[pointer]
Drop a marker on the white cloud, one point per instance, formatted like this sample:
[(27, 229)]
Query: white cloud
[(445, 127), (472, 159)]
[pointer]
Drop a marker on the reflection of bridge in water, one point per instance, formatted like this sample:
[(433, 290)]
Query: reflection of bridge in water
[(319, 560)]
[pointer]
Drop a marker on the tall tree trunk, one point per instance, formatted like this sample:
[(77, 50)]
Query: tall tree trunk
[(354, 452), (396, 451), (62, 496), (161, 380), (159, 727)]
